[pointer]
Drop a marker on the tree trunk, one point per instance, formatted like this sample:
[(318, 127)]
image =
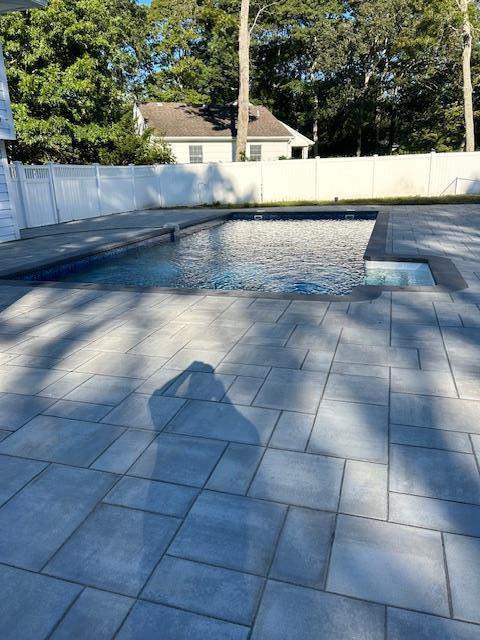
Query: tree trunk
[(315, 128), (392, 130), (244, 82), (358, 153), (361, 123), (378, 127), (315, 138), (467, 77)]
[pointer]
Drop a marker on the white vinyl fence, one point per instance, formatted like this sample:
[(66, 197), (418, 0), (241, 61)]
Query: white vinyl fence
[(49, 194)]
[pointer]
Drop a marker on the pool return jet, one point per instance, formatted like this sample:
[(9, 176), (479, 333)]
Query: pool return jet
[(174, 230)]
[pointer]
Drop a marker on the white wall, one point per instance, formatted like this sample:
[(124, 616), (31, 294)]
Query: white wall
[(213, 151), (47, 194), (272, 149), (223, 150)]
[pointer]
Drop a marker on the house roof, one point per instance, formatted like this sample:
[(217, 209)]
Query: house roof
[(299, 140), (178, 120), (20, 5)]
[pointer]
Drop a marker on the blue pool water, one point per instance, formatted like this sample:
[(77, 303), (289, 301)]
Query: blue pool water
[(398, 274), (287, 256), (284, 256)]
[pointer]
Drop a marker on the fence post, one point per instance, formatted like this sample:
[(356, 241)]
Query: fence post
[(317, 165), (53, 190), (132, 172), (158, 182), (430, 171), (374, 165), (261, 181), (20, 173), (99, 188)]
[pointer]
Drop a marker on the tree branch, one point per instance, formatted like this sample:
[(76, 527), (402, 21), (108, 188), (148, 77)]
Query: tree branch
[(259, 13)]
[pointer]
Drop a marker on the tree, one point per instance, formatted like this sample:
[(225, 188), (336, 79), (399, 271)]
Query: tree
[(126, 146), (464, 6), (357, 76), (298, 46), (460, 18), (180, 74), (369, 76), (73, 68), (244, 81), (194, 55)]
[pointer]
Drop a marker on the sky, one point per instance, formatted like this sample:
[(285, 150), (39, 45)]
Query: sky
[(144, 1)]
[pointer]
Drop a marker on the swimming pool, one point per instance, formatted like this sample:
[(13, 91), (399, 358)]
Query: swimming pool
[(286, 256), (290, 256)]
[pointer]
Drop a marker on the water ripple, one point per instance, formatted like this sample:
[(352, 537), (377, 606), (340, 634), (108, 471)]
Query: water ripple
[(286, 256)]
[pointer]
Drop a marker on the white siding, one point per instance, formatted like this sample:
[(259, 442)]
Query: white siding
[(223, 150), (272, 149), (7, 131), (213, 151), (8, 225)]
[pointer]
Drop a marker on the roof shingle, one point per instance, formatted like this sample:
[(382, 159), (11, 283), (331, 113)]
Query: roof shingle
[(175, 119)]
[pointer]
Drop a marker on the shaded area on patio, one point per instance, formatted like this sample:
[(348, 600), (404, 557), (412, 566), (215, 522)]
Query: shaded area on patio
[(220, 467)]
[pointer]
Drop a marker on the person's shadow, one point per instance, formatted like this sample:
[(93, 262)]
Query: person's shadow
[(200, 457)]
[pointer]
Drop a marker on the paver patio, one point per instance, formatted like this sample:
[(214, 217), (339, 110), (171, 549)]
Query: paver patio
[(209, 467)]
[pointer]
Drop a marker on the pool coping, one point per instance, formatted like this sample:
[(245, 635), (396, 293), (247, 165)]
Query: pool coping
[(446, 275)]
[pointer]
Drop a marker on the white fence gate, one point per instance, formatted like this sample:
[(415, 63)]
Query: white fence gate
[(49, 194)]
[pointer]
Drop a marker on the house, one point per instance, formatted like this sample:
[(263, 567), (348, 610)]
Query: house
[(8, 222), (207, 133)]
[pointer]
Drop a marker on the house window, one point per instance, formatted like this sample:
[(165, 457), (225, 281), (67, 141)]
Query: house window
[(196, 153), (255, 152)]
